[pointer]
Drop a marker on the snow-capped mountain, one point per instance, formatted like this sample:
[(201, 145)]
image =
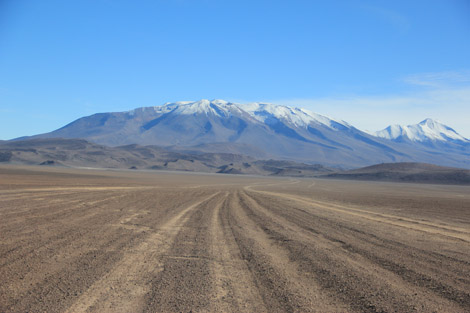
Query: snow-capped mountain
[(260, 130), (427, 130)]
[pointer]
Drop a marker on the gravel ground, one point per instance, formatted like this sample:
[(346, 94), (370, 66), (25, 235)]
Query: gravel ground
[(109, 241)]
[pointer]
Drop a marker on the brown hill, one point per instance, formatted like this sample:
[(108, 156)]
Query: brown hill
[(81, 153), (408, 172)]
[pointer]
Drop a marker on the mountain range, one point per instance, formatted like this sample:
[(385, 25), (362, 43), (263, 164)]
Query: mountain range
[(268, 131)]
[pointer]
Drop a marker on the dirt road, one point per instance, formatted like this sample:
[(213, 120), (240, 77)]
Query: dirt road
[(96, 241)]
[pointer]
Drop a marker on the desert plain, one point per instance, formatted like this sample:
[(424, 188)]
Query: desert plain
[(85, 240)]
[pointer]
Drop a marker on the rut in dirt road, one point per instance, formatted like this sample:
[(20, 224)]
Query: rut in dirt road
[(169, 243), (124, 287), (360, 269)]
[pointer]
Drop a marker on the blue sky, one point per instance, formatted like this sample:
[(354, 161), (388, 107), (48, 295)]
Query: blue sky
[(371, 63)]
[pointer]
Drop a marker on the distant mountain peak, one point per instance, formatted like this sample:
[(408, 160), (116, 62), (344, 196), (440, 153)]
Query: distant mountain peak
[(427, 130), (219, 102), (429, 121)]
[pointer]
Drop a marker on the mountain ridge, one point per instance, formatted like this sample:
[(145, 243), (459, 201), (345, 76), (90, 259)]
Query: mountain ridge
[(426, 130), (255, 129)]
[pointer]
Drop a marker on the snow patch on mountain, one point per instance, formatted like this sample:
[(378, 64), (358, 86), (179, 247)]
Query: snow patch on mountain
[(216, 107), (262, 112), (295, 116), (427, 130)]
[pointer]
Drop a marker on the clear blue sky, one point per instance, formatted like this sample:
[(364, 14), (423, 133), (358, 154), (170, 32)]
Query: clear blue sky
[(371, 63)]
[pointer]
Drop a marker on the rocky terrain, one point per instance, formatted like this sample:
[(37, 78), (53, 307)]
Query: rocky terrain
[(114, 241)]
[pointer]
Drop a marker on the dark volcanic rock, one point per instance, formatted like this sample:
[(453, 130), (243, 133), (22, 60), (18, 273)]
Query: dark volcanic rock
[(5, 156)]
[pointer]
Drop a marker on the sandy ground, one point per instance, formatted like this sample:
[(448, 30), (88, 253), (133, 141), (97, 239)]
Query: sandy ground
[(103, 241)]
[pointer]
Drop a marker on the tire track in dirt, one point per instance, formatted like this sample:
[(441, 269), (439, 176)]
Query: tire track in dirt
[(308, 215), (124, 287), (184, 282), (84, 188), (282, 284), (394, 248), (55, 207), (448, 231), (48, 223), (214, 244), (328, 241), (52, 290), (235, 290), (51, 265), (79, 252)]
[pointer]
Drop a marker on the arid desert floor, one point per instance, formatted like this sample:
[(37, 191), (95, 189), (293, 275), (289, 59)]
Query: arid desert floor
[(82, 240)]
